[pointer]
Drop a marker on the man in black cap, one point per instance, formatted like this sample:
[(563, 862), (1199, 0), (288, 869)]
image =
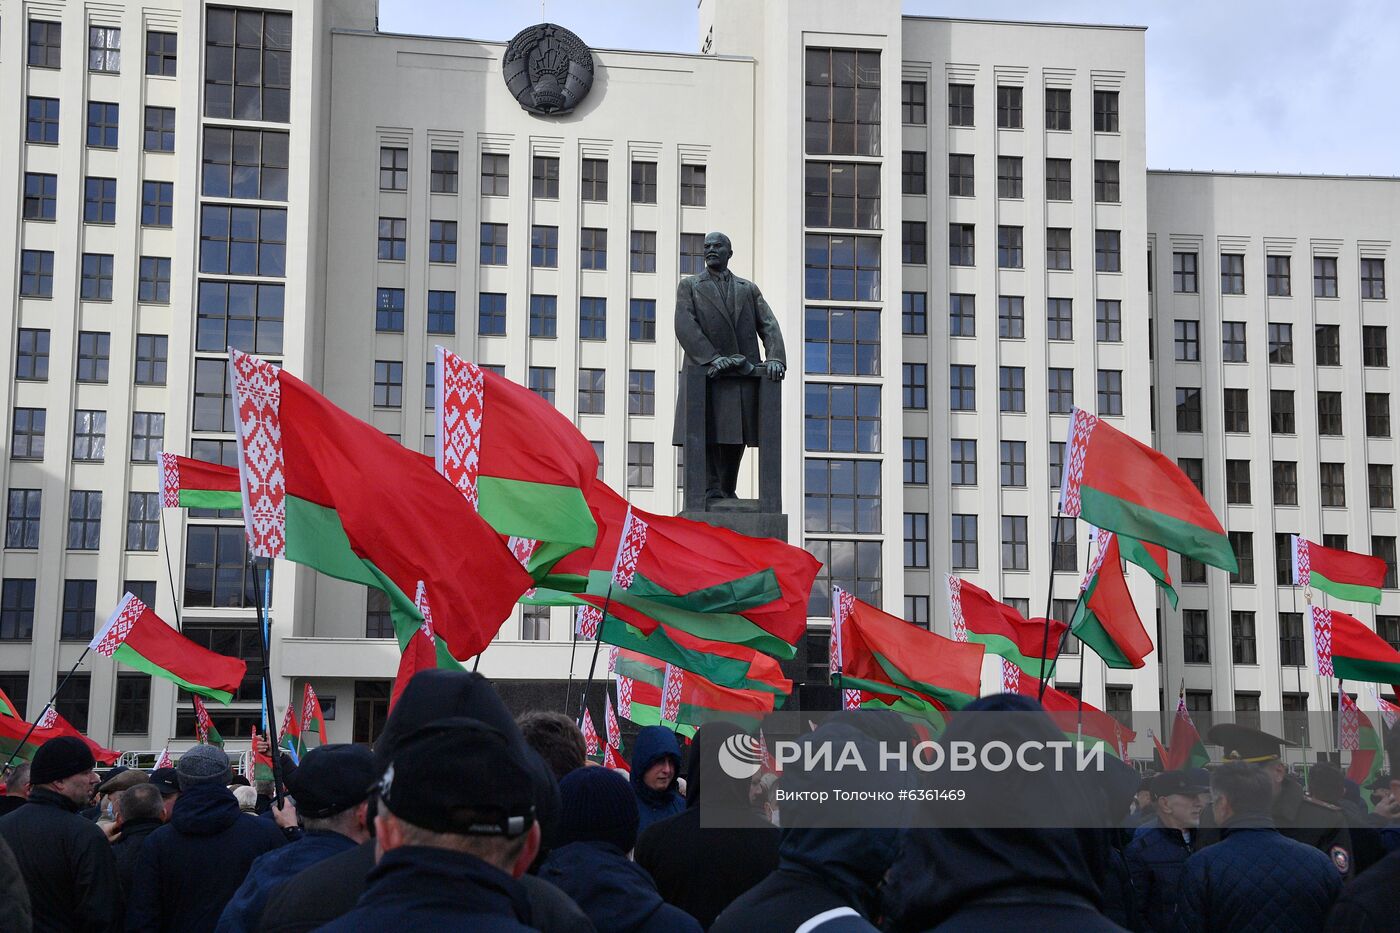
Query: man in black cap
[(1157, 855), (1295, 814), (167, 782), (455, 827), (331, 789), (66, 860)]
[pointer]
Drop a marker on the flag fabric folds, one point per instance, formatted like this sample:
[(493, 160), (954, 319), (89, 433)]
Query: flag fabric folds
[(1356, 732), (701, 700), (194, 484), (590, 736), (136, 636), (204, 731), (978, 617), (1070, 714), (56, 725), (1105, 618), (311, 713), (1347, 649), (425, 651), (1343, 574), (640, 702), (1184, 748), (1153, 559)]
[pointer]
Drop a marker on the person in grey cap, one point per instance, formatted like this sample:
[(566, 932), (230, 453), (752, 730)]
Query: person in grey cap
[(1157, 856), (331, 788), (195, 863)]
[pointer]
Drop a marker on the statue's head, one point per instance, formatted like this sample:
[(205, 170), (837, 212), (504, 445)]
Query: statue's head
[(718, 249)]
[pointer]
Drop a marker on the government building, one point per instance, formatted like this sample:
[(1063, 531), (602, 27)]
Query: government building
[(952, 219)]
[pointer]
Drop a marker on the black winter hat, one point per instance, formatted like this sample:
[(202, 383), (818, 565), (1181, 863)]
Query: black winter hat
[(599, 806), (59, 758), (332, 778)]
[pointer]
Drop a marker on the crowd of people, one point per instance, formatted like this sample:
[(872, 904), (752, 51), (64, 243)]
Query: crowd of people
[(463, 818)]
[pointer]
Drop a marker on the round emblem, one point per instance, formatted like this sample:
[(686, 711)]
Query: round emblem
[(548, 69), (1341, 858)]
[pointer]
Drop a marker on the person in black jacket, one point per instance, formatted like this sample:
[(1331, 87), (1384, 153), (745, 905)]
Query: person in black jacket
[(16, 788), (1156, 858), (14, 896), (193, 864), (1254, 878), (1371, 903), (66, 860), (140, 812), (702, 869)]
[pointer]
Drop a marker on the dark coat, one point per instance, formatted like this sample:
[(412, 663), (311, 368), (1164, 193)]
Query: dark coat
[(616, 893), (67, 865), (654, 743), (1371, 903), (9, 804), (128, 848), (14, 896), (1257, 879), (270, 870), (711, 322), (193, 864), (1304, 819), (1155, 862), (330, 889), (422, 889)]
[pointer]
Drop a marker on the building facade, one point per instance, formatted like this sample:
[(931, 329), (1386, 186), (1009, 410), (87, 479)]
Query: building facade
[(952, 219)]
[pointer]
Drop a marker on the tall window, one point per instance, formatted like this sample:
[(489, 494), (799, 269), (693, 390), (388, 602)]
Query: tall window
[(914, 242), (241, 163), (643, 182), (1374, 348), (1011, 317), (1059, 319), (643, 252), (93, 355), (41, 120), (1009, 177), (442, 241), (1329, 413), (378, 622), (1010, 247), (1057, 248), (1059, 390), (962, 460), (962, 387), (692, 185), (442, 170), (692, 253), (1324, 276), (1184, 275), (1380, 485), (388, 384), (495, 174), (161, 54), (913, 168), (40, 196), (27, 434), (1281, 343), (1332, 484), (153, 280), (1057, 111), (45, 43), (1231, 274), (641, 320), (916, 539), (1290, 639), (493, 244), (1108, 321), (147, 435), (142, 521), (914, 313), (964, 542), (1188, 410), (1065, 545), (1327, 344), (97, 277), (99, 200), (1012, 389), (248, 65), (962, 243), (842, 109), (1232, 342), (1013, 464), (22, 518), (1009, 100), (1106, 181), (591, 391), (17, 618), (1015, 544), (393, 168), (544, 177), (534, 623), (1187, 340), (89, 435), (916, 461), (84, 519), (1195, 636), (1237, 490), (913, 103), (1279, 272), (491, 314), (962, 315), (592, 318), (389, 310), (1282, 418), (593, 248), (641, 392), (961, 180), (1105, 111), (1110, 392), (641, 464), (442, 312), (1108, 251), (1378, 414), (1057, 180), (593, 180), (544, 247), (543, 315), (36, 273), (1373, 279), (1237, 410), (960, 105)]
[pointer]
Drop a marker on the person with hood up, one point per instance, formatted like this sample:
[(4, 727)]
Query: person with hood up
[(656, 769), (176, 889), (702, 869), (598, 830), (965, 877), (829, 870), (331, 888), (140, 812)]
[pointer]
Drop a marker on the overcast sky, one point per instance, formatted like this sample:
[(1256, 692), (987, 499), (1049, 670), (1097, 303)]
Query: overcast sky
[(1243, 85)]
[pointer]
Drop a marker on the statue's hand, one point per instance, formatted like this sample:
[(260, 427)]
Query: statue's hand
[(775, 369), (720, 365)]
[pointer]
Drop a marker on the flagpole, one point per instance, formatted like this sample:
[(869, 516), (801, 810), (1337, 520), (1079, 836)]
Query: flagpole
[(35, 724), (170, 574), (263, 597), (597, 644), (573, 649), (1049, 603)]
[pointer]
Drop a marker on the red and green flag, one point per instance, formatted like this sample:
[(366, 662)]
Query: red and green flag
[(1343, 574), (1348, 650), (289, 737), (1185, 748), (8, 709), (640, 702), (1357, 734), (425, 651), (136, 636), (17, 743), (1105, 618), (187, 483), (1113, 481), (311, 714), (612, 752), (55, 724), (699, 700), (981, 619), (1153, 559), (1072, 715), (259, 765), (591, 747), (204, 731)]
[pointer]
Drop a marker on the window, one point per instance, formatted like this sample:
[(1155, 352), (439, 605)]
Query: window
[(1324, 277), (41, 123), (1374, 348), (641, 392), (1057, 248), (1188, 341), (692, 185), (1329, 413), (842, 496), (591, 390), (1011, 316), (643, 182), (960, 176), (160, 54), (1281, 343), (1237, 410), (153, 282), (378, 622), (89, 435), (1285, 482), (964, 550), (493, 245), (1383, 546), (1231, 274), (1064, 546), (1378, 414), (491, 314), (241, 163), (1008, 107), (1059, 319), (641, 464), (1332, 484), (27, 434), (248, 65), (1387, 627), (22, 518), (841, 268), (442, 171), (1195, 636), (147, 435), (1188, 410), (1237, 482), (543, 315), (45, 43), (1283, 559), (593, 180), (1057, 108), (962, 457), (1057, 463), (213, 408), (913, 173), (1013, 463), (544, 247), (1108, 250), (1108, 321), (842, 418), (960, 105), (1278, 270), (217, 574), (913, 103), (1373, 279), (915, 539), (1281, 415), (36, 274), (962, 387), (641, 320), (143, 521), (1184, 273), (1327, 345), (1380, 485), (94, 350), (1110, 392), (84, 519), (541, 382), (1059, 390), (1232, 341), (389, 310), (1012, 389), (916, 611), (598, 452), (158, 205), (593, 318), (544, 177), (962, 244), (388, 384), (1010, 247), (962, 315), (916, 461), (253, 240), (643, 251), (842, 111), (843, 341), (442, 241), (1009, 179), (40, 196), (1062, 610), (17, 621), (534, 623), (852, 565), (1106, 181), (495, 174), (1105, 111), (593, 248), (97, 277), (1290, 639), (393, 168), (102, 124), (1057, 179), (100, 200)]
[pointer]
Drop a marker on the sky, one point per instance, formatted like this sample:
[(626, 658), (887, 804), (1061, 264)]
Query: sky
[(1232, 85)]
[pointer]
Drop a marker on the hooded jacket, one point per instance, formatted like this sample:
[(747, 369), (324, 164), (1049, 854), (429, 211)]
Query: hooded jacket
[(699, 869), (654, 743), (617, 894), (175, 889), (67, 865)]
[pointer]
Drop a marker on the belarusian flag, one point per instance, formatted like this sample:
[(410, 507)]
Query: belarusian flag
[(194, 484), (164, 760), (1185, 748), (1356, 732), (671, 693), (1115, 482), (1152, 558), (612, 754), (590, 736), (397, 513), (700, 700), (1105, 618), (57, 725), (640, 702), (981, 619), (13, 743), (842, 604), (290, 736), (1070, 715), (8, 709), (204, 731), (259, 764), (1390, 713), (136, 636), (1347, 649), (311, 713), (1343, 574), (425, 650), (885, 655)]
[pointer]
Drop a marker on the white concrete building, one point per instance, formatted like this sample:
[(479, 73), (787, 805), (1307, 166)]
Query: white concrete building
[(342, 200)]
